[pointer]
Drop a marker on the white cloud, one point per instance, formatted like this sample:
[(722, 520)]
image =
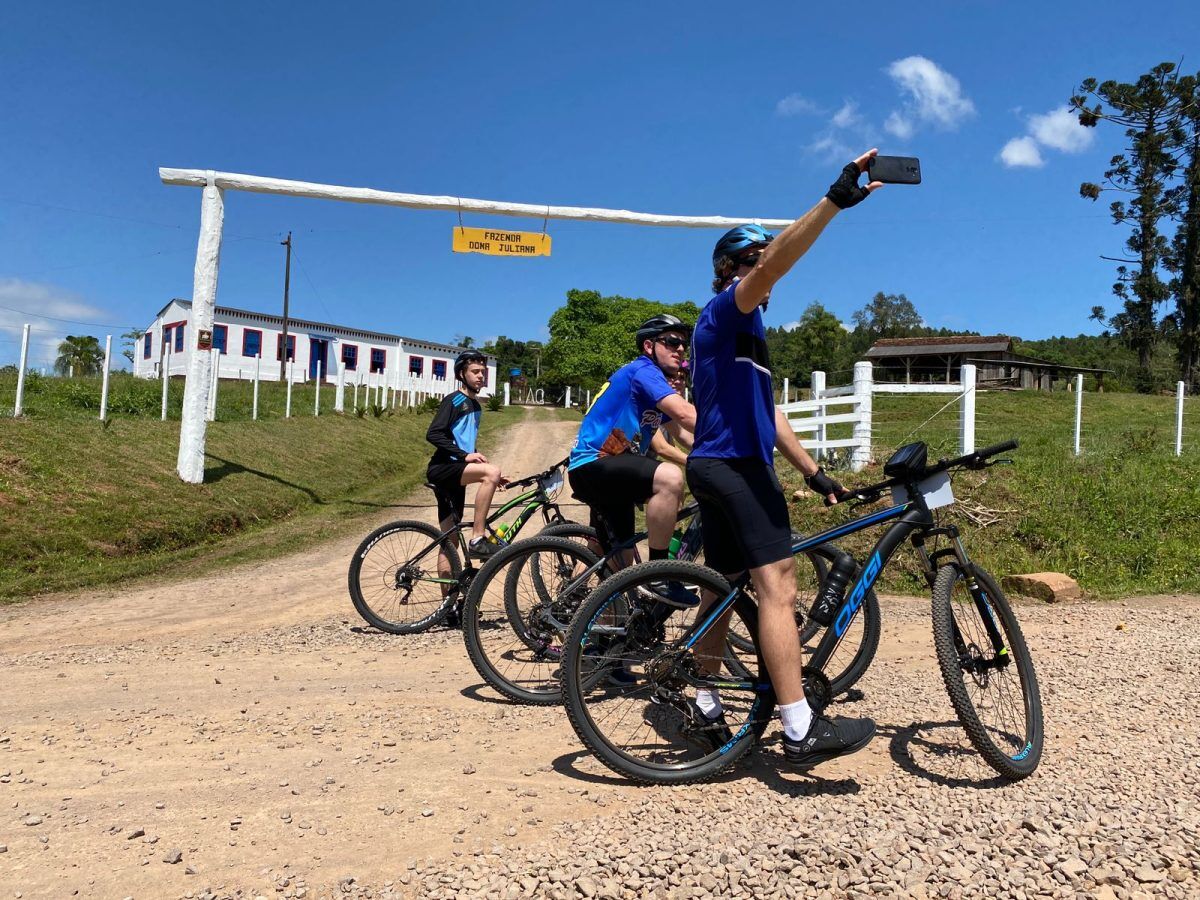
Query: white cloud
[(795, 105), (847, 116), (931, 94), (1021, 151), (45, 334), (899, 126), (1061, 130), (1058, 130), (830, 146)]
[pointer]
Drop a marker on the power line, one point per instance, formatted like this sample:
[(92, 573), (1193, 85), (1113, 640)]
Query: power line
[(26, 312), (316, 293)]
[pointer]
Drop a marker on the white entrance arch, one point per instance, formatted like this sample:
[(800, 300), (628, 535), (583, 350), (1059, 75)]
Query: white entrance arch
[(198, 381)]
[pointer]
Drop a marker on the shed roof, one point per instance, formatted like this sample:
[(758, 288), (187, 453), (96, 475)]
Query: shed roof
[(955, 343)]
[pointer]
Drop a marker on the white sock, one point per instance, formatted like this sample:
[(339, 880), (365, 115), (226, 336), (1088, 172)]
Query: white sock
[(709, 701), (797, 719)]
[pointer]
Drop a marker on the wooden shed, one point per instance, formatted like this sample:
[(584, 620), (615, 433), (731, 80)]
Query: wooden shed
[(926, 360)]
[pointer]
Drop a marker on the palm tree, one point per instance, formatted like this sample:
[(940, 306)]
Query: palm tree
[(80, 353)]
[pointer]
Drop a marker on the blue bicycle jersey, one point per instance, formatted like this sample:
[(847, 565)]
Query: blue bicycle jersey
[(454, 428), (624, 415), (731, 383)]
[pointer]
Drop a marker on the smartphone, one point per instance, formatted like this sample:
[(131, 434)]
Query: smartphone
[(895, 169)]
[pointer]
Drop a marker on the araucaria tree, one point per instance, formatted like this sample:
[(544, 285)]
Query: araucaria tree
[(1184, 258), (1150, 110)]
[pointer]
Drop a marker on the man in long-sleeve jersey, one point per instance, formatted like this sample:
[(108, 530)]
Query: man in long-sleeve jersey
[(455, 463)]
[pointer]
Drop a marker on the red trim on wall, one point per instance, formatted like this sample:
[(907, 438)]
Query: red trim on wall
[(351, 365)]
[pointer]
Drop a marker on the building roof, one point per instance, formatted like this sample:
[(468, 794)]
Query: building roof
[(341, 330), (955, 343)]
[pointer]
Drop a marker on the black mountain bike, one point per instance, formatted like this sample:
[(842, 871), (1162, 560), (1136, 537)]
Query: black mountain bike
[(650, 730), (394, 579), (522, 601)]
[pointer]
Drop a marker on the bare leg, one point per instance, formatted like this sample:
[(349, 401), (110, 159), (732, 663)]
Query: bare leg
[(487, 477), (662, 508), (775, 586)]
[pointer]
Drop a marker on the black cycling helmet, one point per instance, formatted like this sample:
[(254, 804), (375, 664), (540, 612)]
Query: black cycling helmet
[(737, 242), (464, 359), (656, 325)]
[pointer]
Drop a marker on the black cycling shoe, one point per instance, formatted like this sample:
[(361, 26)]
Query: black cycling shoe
[(827, 739), (712, 733), (671, 593)]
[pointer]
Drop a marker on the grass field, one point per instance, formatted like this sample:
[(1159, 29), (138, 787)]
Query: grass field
[(86, 504)]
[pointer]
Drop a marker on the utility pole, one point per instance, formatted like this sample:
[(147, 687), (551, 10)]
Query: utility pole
[(287, 278)]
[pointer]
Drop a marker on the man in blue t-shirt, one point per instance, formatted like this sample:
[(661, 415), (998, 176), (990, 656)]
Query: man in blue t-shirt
[(608, 467), (731, 467)]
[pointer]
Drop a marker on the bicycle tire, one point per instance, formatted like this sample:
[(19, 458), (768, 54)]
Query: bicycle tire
[(377, 569), (598, 638), (523, 665), (966, 670)]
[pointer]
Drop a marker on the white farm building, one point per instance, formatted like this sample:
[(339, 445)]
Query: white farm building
[(411, 366)]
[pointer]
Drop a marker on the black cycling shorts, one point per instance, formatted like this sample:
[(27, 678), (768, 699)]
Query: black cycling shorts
[(612, 486), (448, 488), (743, 513)]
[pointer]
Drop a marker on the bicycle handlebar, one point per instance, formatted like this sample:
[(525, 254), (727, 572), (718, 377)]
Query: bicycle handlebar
[(975, 460), (540, 476)]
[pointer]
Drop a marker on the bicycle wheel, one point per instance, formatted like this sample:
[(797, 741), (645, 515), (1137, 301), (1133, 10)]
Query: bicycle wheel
[(856, 649), (988, 671), (394, 579), (514, 636), (629, 680)]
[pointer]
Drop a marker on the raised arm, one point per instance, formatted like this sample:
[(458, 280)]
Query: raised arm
[(795, 240)]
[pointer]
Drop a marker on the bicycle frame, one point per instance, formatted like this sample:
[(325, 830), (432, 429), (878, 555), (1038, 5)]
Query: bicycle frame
[(913, 522)]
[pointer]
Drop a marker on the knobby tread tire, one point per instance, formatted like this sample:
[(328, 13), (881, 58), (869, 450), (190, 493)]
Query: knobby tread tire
[(573, 691), (360, 602), (952, 676)]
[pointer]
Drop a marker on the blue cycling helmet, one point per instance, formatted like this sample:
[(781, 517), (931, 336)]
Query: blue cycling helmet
[(737, 241)]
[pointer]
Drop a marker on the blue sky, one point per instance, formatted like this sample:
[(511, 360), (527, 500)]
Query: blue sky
[(686, 108)]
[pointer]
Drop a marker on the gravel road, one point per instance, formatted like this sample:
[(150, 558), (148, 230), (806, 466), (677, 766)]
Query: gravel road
[(246, 735)]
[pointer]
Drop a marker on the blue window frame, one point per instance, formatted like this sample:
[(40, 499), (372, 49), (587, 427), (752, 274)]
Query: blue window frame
[(221, 337), (350, 357), (147, 340), (378, 360), (251, 342)]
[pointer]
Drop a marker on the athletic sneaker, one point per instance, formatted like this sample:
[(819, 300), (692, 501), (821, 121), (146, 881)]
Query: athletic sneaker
[(620, 676), (482, 548), (828, 738), (671, 593)]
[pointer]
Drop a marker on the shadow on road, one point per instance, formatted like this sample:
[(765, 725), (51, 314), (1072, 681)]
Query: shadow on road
[(939, 752)]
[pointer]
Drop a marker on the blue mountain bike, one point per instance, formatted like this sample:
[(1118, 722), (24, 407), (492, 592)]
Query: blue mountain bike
[(649, 729)]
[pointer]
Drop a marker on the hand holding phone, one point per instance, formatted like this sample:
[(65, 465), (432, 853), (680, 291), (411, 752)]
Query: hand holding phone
[(894, 169)]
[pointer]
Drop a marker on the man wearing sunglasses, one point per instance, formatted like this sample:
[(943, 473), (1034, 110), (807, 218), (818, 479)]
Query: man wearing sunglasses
[(608, 467), (731, 467)]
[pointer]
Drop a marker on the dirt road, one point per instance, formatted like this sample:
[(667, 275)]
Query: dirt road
[(246, 735)]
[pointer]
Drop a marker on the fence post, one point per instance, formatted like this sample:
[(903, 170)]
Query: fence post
[(966, 412), (339, 399), (104, 381), (1179, 389), (20, 404), (71, 371), (785, 390), (164, 367), (863, 383), (1078, 408), (818, 388), (507, 390), (257, 369), (287, 410), (567, 399)]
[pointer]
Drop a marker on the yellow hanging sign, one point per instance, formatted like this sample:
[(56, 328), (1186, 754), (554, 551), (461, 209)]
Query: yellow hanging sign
[(501, 243)]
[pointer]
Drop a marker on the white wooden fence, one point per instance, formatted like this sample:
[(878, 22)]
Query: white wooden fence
[(811, 418)]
